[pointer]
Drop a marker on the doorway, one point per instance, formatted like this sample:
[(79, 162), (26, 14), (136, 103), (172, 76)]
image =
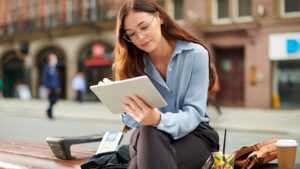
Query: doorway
[(13, 73), (94, 73), (230, 68)]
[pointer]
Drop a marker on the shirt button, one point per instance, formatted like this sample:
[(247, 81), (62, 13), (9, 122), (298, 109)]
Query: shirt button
[(170, 70), (161, 126)]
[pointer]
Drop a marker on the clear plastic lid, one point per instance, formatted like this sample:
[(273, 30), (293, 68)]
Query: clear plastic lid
[(286, 143)]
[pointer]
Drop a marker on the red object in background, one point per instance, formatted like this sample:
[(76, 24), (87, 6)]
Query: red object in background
[(97, 62), (98, 50)]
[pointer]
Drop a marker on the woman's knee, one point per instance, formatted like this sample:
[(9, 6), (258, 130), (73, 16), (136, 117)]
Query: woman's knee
[(148, 133)]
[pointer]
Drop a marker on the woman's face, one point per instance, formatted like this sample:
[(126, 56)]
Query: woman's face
[(143, 29)]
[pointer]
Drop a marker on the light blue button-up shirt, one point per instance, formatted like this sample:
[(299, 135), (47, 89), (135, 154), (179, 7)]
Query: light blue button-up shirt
[(185, 90)]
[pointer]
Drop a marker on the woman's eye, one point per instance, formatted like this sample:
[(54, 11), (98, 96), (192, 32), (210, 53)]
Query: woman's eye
[(144, 27), (131, 34)]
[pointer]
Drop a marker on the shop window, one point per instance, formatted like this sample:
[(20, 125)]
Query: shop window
[(290, 8)]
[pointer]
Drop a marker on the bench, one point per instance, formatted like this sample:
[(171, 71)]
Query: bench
[(17, 154)]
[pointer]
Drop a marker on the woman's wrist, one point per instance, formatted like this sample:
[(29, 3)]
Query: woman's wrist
[(158, 117)]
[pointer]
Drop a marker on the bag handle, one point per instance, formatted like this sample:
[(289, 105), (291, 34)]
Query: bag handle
[(250, 162)]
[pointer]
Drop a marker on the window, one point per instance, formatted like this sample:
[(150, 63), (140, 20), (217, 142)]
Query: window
[(49, 13), (69, 9), (222, 9), (92, 10), (178, 9), (32, 8), (244, 8), (13, 15), (228, 11), (55, 18), (290, 8), (161, 3), (32, 13)]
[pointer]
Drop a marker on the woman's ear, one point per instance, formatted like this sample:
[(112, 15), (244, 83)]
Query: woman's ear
[(160, 18)]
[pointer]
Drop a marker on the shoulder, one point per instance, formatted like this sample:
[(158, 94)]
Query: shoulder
[(199, 50), (193, 48)]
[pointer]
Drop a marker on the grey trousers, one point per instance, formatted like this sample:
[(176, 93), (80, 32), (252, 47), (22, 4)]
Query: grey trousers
[(151, 148)]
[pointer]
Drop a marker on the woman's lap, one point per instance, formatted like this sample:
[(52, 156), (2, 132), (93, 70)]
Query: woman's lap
[(191, 151)]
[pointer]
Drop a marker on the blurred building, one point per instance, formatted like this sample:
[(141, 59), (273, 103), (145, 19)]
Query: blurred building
[(80, 32), (254, 44)]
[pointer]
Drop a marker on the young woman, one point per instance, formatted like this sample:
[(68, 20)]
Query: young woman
[(149, 42)]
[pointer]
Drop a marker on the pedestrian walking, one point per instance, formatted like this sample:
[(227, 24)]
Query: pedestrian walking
[(51, 82), (78, 84), (149, 42)]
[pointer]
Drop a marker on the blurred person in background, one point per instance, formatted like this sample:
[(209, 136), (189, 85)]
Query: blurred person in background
[(78, 84), (51, 82), (1, 87)]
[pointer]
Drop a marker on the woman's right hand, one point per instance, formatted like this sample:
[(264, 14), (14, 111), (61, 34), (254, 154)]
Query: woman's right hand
[(105, 81)]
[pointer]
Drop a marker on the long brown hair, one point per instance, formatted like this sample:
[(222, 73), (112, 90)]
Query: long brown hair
[(129, 60)]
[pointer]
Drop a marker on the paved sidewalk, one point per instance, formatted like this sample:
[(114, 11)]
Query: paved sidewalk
[(241, 119)]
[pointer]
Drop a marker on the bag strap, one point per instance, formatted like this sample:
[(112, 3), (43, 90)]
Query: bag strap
[(250, 162)]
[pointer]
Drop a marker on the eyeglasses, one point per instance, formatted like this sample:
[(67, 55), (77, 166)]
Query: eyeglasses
[(131, 35)]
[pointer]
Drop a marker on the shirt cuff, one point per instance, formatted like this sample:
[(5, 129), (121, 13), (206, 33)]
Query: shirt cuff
[(129, 121), (163, 121)]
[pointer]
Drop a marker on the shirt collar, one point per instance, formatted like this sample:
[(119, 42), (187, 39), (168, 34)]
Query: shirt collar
[(182, 46), (150, 68)]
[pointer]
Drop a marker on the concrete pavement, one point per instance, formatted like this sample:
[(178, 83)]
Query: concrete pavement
[(241, 119)]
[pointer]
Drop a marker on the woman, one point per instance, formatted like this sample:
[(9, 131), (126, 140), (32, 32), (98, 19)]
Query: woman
[(150, 43)]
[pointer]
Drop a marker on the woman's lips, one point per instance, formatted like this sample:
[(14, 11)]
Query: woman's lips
[(146, 43)]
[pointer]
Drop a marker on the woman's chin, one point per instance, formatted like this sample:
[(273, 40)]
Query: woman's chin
[(148, 48)]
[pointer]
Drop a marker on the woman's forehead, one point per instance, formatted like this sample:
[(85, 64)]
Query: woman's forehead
[(134, 18)]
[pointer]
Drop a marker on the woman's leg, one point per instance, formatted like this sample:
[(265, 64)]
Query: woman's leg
[(151, 149), (191, 152)]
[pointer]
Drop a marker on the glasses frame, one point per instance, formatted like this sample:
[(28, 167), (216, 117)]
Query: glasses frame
[(125, 35)]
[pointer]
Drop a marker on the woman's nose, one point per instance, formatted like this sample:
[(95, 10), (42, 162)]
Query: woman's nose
[(140, 36)]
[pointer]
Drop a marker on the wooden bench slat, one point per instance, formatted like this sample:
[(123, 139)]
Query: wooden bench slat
[(39, 155)]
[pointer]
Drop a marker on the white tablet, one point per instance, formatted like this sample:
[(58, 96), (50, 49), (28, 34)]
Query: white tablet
[(112, 94)]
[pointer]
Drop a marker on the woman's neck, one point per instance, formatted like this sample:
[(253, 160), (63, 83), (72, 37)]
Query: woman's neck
[(163, 52)]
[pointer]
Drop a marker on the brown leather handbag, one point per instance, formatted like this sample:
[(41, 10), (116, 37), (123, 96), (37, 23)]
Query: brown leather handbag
[(255, 155)]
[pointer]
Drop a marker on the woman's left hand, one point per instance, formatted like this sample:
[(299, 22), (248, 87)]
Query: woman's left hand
[(141, 112)]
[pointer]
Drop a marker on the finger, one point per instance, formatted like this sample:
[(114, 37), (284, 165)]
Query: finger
[(140, 102), (100, 83), (130, 111), (133, 104), (106, 80)]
